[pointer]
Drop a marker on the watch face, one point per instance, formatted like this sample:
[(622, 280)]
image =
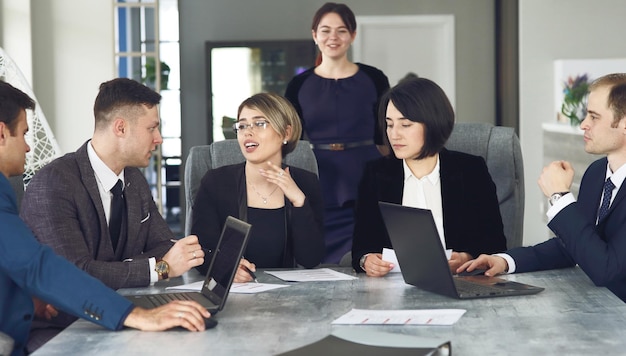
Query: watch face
[(162, 267)]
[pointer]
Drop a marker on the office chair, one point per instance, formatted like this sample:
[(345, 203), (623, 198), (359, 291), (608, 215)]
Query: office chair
[(222, 153), (500, 148)]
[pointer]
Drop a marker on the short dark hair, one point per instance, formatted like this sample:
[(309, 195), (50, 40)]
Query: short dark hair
[(12, 102), (122, 94), (421, 100), (347, 16), (617, 94)]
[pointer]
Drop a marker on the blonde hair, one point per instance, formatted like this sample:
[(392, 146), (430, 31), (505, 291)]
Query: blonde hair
[(280, 113)]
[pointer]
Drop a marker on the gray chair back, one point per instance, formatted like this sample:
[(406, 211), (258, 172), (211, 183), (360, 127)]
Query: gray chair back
[(500, 148), (226, 152)]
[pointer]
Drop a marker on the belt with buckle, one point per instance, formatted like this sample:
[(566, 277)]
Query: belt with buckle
[(341, 146)]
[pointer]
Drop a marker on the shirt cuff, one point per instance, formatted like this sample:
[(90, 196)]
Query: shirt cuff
[(509, 260), (560, 204), (154, 276)]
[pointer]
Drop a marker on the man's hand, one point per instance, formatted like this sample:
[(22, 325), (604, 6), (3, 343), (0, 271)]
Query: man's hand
[(556, 177), (44, 310), (187, 314), (493, 265), (184, 255), (375, 266)]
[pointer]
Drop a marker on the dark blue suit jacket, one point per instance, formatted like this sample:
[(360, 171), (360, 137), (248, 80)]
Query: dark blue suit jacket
[(471, 215), (28, 268), (600, 250)]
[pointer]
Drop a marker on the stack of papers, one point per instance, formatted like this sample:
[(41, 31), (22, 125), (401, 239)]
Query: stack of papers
[(311, 275), (401, 317)]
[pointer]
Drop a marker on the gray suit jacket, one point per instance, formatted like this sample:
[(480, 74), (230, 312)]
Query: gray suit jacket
[(62, 206)]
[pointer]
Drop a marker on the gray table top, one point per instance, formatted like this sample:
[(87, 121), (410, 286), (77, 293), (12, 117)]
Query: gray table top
[(570, 317)]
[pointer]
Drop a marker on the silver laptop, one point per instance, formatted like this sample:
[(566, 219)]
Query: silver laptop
[(423, 262), (220, 276)]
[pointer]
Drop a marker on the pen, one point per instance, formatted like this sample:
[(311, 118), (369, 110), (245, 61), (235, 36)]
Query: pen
[(251, 274)]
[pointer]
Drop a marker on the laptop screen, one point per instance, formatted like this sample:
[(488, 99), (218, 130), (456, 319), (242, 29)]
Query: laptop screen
[(225, 260)]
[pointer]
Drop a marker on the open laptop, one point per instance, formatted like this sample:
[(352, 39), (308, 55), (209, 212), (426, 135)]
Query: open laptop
[(220, 276), (423, 262)]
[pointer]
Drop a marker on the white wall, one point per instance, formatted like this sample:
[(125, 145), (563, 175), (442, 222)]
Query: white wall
[(15, 34), (73, 43), (551, 30)]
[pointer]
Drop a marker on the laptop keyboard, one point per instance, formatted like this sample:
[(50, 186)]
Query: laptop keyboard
[(162, 299)]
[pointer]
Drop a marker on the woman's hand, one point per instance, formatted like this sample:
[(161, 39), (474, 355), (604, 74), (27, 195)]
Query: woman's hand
[(283, 180), (375, 266), (242, 275), (457, 259)]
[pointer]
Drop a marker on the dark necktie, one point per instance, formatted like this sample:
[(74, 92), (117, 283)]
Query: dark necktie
[(606, 199), (118, 208)]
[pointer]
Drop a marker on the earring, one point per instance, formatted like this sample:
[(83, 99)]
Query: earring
[(316, 43), (284, 142)]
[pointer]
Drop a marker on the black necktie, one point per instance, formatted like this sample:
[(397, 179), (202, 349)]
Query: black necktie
[(118, 208), (606, 199)]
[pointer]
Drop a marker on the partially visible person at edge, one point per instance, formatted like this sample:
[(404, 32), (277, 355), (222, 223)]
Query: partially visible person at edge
[(32, 275), (422, 173), (589, 231), (337, 101), (282, 203)]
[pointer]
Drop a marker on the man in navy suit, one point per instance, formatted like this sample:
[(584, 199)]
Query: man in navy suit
[(31, 275), (590, 231)]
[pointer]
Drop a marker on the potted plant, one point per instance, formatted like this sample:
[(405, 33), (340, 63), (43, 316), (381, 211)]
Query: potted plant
[(150, 77)]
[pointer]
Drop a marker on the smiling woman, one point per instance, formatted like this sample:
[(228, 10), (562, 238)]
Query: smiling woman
[(337, 102), (282, 203)]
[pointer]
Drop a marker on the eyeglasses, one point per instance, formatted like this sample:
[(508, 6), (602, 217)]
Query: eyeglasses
[(255, 126)]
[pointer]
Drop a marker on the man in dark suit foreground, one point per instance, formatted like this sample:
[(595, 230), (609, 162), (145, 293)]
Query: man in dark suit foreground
[(590, 231), (70, 204), (31, 275)]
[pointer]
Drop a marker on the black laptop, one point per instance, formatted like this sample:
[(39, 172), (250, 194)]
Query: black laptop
[(224, 263), (423, 262)]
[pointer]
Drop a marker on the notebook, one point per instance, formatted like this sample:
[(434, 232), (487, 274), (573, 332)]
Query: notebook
[(220, 276), (423, 262)]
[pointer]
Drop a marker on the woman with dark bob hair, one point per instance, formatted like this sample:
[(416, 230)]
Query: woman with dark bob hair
[(422, 173), (283, 204)]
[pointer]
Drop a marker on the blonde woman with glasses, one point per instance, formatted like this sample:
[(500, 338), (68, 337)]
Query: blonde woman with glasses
[(282, 203)]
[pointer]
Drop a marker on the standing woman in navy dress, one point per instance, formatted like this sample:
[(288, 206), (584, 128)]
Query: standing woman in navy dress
[(337, 101)]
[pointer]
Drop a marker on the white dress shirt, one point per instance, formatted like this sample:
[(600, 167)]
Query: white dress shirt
[(425, 193), (106, 179)]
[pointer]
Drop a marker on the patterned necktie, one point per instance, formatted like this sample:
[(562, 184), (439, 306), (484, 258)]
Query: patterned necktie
[(118, 207), (606, 199)]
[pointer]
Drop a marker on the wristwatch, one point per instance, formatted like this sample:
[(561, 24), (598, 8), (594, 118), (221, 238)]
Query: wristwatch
[(162, 268), (362, 261), (556, 196)]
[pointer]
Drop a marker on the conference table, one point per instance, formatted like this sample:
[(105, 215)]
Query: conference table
[(570, 317)]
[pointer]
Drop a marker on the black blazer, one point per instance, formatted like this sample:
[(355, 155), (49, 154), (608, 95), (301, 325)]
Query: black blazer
[(471, 214), (600, 250), (222, 192)]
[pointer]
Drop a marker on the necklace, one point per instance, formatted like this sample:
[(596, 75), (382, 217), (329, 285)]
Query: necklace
[(262, 197)]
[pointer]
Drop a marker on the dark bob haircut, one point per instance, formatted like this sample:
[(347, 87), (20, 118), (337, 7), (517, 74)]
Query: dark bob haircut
[(421, 100)]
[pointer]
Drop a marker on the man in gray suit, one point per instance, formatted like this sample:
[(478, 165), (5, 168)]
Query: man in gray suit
[(69, 204)]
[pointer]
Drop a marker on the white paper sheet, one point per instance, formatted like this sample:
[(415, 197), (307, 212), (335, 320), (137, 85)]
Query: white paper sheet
[(311, 275), (401, 317)]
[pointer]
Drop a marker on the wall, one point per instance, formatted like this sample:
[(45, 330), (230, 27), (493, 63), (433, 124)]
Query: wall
[(268, 20), (72, 46), (550, 30), (15, 34)]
